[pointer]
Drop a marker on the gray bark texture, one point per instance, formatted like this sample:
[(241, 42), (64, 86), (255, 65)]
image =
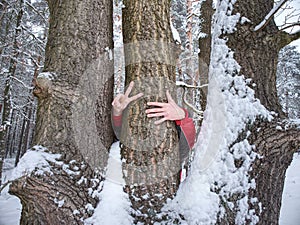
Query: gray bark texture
[(150, 153), (257, 54), (73, 119)]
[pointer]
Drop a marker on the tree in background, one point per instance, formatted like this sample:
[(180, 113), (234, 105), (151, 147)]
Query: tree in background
[(74, 94), (288, 80), (23, 39)]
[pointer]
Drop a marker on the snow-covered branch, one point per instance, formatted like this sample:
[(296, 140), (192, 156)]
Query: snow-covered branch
[(185, 85), (37, 11), (267, 19)]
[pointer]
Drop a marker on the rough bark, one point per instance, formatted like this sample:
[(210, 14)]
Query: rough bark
[(73, 118), (274, 141), (257, 52), (275, 147), (150, 152), (206, 13)]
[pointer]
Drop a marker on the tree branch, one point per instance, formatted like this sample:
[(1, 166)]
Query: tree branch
[(291, 26), (269, 16), (286, 38), (295, 36)]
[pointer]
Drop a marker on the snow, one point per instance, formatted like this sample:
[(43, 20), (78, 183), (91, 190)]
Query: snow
[(271, 13), (289, 213), (175, 33), (231, 104), (115, 206), (47, 75)]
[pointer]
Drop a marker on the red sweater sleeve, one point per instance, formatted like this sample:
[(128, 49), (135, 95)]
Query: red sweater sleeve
[(117, 120), (188, 128)]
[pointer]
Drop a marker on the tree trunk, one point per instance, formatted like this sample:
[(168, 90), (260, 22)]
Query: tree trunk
[(274, 141), (6, 123), (206, 13), (73, 119), (150, 152)]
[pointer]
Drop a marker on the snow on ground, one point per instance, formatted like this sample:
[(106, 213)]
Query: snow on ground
[(289, 214), (114, 207), (115, 204), (10, 206)]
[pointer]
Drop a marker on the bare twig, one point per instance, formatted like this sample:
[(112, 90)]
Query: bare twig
[(269, 16), (184, 98)]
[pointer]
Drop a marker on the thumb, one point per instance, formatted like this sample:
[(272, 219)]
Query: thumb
[(169, 97)]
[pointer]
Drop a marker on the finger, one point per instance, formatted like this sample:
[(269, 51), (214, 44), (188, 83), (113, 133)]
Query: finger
[(169, 97), (129, 89), (159, 104), (117, 99), (160, 121), (154, 110), (135, 97), (156, 114)]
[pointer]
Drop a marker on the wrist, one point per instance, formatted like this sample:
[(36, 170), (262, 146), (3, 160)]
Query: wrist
[(117, 112), (185, 113), (182, 114)]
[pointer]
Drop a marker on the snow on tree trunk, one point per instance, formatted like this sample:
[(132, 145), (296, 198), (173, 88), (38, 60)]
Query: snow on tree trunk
[(74, 104), (245, 144), (150, 153)]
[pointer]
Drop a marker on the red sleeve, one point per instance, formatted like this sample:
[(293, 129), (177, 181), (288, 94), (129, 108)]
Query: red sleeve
[(117, 120), (188, 128)]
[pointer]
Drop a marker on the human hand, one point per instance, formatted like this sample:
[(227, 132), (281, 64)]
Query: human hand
[(121, 101), (169, 110)]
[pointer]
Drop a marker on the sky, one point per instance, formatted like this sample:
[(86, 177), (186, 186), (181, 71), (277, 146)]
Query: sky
[(279, 18)]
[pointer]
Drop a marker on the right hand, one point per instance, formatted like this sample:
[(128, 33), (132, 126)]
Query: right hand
[(121, 101)]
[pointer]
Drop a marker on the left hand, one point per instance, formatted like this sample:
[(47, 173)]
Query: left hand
[(169, 110)]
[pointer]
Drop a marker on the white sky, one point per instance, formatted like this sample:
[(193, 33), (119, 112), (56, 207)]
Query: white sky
[(295, 4)]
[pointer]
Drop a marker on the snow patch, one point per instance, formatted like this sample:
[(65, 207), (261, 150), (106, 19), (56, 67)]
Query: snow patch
[(47, 75), (34, 159), (114, 204), (175, 33)]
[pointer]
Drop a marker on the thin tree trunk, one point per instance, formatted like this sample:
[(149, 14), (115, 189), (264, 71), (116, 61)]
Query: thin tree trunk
[(20, 140), (206, 13), (26, 141), (150, 153)]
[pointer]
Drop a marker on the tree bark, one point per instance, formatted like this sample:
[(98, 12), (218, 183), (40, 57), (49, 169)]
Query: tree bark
[(276, 148), (150, 153), (206, 13), (274, 141), (73, 118)]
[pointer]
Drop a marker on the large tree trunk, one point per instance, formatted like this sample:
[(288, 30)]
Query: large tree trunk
[(275, 142), (73, 118), (150, 152)]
